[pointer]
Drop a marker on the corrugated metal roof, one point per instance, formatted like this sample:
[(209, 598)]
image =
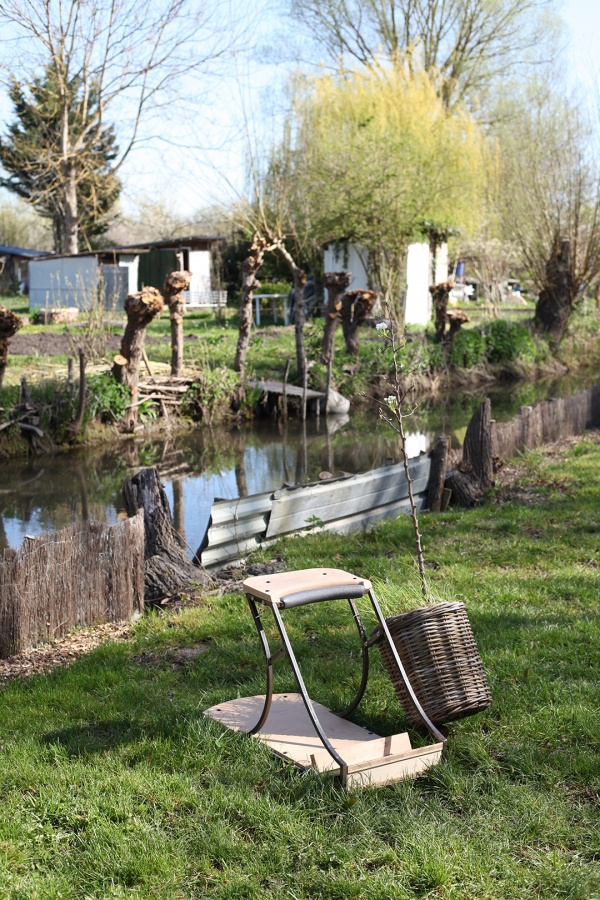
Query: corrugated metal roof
[(144, 246), (23, 251)]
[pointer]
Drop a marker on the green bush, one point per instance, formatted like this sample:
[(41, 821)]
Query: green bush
[(509, 341), (274, 287), (106, 399), (211, 395), (468, 348)]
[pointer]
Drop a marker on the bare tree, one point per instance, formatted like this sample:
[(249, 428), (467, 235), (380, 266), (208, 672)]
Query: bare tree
[(464, 43), (105, 56), (551, 204)]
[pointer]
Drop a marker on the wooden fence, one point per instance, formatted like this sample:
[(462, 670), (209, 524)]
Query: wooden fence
[(85, 574), (546, 422)]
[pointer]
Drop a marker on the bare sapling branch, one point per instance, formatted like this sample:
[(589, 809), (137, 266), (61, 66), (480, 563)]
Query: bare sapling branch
[(394, 409)]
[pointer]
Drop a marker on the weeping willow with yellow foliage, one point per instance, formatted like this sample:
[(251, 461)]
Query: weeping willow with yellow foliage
[(375, 158)]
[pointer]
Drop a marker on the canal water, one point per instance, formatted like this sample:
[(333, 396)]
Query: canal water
[(45, 493)]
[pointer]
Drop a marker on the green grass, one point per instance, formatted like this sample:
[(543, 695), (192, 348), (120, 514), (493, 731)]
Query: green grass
[(113, 784)]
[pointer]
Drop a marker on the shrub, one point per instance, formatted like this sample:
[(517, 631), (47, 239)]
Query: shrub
[(106, 399), (468, 348), (508, 341), (211, 395)]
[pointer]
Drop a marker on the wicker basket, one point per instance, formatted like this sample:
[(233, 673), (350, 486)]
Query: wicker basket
[(438, 651)]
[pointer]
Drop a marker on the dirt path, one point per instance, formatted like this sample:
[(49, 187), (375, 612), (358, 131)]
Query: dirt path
[(46, 343)]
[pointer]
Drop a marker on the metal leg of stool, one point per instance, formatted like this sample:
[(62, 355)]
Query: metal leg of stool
[(307, 701), (365, 662), (433, 731), (269, 660)]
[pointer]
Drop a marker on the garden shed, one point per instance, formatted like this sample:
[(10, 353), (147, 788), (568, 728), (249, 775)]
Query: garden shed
[(423, 268), (74, 281), (13, 267)]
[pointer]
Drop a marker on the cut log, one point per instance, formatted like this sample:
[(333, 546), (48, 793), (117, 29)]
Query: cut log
[(175, 284), (9, 325), (336, 283), (167, 568)]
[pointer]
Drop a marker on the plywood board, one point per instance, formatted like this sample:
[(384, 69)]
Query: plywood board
[(371, 759), (272, 588)]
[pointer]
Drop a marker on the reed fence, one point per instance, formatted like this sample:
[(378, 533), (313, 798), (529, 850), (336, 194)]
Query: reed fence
[(547, 422), (85, 574)]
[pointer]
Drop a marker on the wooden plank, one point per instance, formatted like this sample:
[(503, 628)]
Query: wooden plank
[(292, 390), (289, 733), (329, 502)]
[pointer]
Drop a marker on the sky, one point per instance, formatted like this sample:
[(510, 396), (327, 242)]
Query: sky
[(201, 161)]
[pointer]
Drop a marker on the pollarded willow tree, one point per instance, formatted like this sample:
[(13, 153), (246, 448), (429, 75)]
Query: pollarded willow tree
[(377, 159), (550, 175)]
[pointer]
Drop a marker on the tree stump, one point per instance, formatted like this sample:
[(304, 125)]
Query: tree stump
[(475, 473), (167, 568), (336, 283), (9, 325), (356, 308), (141, 309), (175, 285)]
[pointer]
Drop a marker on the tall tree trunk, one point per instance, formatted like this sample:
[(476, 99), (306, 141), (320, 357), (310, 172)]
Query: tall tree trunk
[(9, 325), (175, 284), (71, 219), (555, 301), (356, 308), (336, 283), (250, 269), (141, 309)]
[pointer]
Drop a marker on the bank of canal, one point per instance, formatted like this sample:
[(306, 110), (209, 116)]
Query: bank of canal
[(44, 493)]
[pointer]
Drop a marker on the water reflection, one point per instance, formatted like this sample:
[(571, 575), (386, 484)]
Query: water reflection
[(47, 493)]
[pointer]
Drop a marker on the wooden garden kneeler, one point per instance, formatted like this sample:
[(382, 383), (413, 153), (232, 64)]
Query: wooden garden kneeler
[(297, 728)]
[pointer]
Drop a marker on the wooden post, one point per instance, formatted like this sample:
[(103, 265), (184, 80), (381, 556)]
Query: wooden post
[(78, 422), (437, 474), (285, 380)]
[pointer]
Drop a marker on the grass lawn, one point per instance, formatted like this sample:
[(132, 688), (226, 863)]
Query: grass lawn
[(113, 784)]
